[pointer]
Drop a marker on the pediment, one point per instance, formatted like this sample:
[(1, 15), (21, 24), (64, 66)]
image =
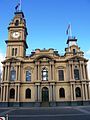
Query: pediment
[(76, 58), (11, 60), (44, 58)]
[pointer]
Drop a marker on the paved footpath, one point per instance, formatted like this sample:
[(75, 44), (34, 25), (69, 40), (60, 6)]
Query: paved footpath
[(47, 113)]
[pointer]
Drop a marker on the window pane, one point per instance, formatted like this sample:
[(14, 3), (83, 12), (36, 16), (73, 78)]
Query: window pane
[(61, 74), (28, 76), (12, 93), (17, 22), (44, 74), (12, 51), (13, 75), (61, 92), (76, 74), (28, 93), (74, 51), (78, 92), (15, 51)]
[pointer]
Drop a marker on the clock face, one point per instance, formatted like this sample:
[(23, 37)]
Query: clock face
[(15, 34)]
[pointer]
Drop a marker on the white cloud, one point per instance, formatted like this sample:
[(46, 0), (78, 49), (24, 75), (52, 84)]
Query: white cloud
[(2, 56)]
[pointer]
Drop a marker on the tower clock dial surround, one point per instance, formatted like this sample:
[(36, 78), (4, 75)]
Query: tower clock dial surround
[(15, 34)]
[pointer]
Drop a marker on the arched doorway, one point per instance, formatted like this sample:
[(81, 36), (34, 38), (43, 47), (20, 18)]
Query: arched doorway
[(45, 94)]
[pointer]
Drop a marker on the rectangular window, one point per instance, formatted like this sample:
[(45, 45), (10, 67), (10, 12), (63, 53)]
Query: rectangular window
[(12, 51), (44, 74), (15, 51), (28, 76), (61, 75), (12, 75), (76, 74)]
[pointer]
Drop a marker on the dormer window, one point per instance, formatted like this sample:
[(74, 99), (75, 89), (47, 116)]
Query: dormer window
[(16, 22)]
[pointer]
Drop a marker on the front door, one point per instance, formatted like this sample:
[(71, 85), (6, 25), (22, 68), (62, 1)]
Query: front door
[(45, 94)]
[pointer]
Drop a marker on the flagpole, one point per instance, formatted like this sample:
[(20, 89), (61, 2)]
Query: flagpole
[(70, 31), (20, 5)]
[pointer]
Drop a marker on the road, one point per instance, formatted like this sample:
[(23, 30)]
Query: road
[(47, 113)]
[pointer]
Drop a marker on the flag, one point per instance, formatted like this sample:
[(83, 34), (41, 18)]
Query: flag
[(17, 6), (68, 30)]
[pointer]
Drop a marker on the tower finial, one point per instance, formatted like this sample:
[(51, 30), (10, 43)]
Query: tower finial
[(18, 7), (69, 30)]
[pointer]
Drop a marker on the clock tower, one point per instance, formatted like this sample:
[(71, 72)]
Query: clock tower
[(17, 33)]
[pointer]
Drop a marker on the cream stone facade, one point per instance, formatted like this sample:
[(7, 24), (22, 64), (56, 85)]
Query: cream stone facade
[(43, 78)]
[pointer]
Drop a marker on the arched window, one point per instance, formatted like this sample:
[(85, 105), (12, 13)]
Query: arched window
[(28, 93), (12, 74), (61, 75), (12, 93), (28, 76), (44, 74), (74, 51), (76, 74), (61, 93), (78, 92), (16, 22), (12, 51)]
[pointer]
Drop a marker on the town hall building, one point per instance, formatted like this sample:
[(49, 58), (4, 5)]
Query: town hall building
[(43, 78)]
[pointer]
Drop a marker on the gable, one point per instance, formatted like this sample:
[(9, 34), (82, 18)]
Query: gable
[(44, 58), (13, 60), (76, 58)]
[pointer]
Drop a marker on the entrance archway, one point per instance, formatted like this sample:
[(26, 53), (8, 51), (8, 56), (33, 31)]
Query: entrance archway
[(45, 94)]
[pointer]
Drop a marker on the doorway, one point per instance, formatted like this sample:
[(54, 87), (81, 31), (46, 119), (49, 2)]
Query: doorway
[(45, 94)]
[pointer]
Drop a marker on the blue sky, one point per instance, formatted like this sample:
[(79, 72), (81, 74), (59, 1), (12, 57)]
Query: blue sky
[(47, 22)]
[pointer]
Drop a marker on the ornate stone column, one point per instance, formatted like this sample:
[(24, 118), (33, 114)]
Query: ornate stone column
[(1, 93), (38, 71), (71, 87), (80, 72), (19, 75), (74, 92), (84, 71), (83, 95), (40, 94), (4, 93), (53, 71), (36, 93), (16, 72), (18, 92), (54, 93), (50, 71), (50, 93), (72, 71), (15, 93), (86, 91), (3, 73), (7, 93)]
